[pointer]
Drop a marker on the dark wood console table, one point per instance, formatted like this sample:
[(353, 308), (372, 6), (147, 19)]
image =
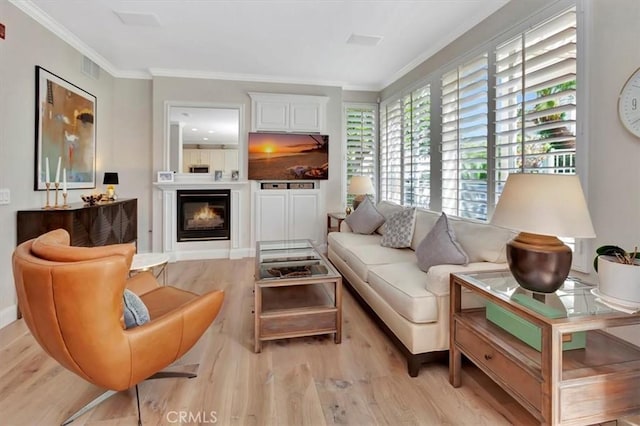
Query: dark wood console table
[(104, 223)]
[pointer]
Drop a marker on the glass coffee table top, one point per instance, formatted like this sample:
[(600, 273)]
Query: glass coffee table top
[(291, 259), (575, 298)]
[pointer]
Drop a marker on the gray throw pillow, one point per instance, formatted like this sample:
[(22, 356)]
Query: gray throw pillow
[(398, 229), (365, 219), (440, 247), (135, 311)]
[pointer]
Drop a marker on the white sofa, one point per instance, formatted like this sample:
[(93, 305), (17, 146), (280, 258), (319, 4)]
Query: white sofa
[(412, 306)]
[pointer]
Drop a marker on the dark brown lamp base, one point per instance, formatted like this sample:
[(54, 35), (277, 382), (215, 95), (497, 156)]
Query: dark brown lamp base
[(539, 262)]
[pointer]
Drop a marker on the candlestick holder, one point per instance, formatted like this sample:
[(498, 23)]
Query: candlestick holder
[(64, 200), (57, 185), (48, 186)]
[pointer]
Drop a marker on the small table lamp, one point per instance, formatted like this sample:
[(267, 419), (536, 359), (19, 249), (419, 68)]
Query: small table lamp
[(360, 186), (542, 206), (110, 179)]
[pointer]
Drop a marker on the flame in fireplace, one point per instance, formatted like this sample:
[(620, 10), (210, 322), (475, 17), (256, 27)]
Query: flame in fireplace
[(205, 213)]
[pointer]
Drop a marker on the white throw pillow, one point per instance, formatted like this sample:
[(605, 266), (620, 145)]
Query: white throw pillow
[(365, 219), (440, 247), (398, 229)]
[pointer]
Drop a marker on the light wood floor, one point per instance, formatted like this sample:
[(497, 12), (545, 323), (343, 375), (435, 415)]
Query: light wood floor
[(308, 381)]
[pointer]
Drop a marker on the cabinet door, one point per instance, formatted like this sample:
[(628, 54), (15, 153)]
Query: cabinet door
[(271, 115), (231, 160), (271, 215), (216, 160), (305, 116), (303, 215)]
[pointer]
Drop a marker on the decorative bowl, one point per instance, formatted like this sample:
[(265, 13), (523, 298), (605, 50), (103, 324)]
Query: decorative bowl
[(91, 199)]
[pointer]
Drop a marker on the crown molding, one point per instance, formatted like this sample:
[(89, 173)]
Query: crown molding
[(33, 11), (37, 14)]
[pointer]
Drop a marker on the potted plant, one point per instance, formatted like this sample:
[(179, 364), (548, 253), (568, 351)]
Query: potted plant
[(619, 273)]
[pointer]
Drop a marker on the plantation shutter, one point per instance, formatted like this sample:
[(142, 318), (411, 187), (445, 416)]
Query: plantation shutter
[(391, 153), (464, 139), (417, 144), (361, 130), (536, 101)]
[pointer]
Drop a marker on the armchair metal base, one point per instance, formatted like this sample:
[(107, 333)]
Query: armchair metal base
[(109, 393)]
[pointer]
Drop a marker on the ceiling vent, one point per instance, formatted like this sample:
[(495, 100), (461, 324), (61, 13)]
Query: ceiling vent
[(90, 68), (135, 19), (364, 40)]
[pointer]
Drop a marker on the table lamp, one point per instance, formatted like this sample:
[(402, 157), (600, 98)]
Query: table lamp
[(360, 186), (542, 206), (110, 179)]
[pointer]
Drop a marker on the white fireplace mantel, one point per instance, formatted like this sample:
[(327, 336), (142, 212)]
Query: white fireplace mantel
[(195, 250)]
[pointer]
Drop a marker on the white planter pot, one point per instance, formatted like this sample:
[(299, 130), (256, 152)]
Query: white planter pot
[(618, 280)]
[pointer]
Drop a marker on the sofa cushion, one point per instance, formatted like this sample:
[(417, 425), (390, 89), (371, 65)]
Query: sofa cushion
[(403, 286), (387, 209), (482, 241), (440, 247), (398, 230), (425, 219), (437, 281), (340, 242), (361, 257), (365, 219)]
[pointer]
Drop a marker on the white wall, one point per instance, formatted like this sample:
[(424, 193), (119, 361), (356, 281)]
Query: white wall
[(124, 147)]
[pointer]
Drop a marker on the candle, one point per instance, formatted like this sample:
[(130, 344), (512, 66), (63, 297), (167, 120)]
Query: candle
[(64, 180), (46, 170), (58, 170)]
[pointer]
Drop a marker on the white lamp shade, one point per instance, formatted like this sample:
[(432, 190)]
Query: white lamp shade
[(546, 204), (360, 185)]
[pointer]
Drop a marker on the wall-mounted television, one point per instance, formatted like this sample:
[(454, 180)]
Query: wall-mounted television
[(288, 156)]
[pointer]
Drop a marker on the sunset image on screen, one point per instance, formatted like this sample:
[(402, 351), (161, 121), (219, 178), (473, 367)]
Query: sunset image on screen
[(288, 156)]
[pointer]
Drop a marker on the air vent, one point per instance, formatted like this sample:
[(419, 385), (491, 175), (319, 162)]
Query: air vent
[(364, 40), (138, 19), (90, 68)]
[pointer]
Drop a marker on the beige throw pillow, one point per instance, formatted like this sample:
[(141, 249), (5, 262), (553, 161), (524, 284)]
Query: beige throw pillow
[(398, 229), (440, 247)]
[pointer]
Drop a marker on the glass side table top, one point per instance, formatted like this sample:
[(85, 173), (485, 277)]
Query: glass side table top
[(293, 259), (573, 299)]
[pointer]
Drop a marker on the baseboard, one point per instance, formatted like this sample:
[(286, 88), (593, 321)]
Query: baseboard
[(8, 315), (239, 253)]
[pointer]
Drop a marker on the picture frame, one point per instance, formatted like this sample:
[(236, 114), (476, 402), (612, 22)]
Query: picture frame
[(235, 175), (165, 176), (65, 133), (217, 175)]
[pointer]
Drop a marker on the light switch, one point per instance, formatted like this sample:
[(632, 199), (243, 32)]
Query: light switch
[(5, 196)]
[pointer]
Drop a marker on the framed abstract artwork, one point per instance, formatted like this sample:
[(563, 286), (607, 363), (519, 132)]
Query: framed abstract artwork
[(65, 133)]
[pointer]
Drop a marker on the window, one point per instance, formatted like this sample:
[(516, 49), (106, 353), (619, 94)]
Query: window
[(361, 136), (536, 101), (405, 157), (464, 139)]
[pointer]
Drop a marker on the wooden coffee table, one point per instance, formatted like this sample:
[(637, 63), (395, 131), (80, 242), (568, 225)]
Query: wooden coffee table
[(297, 292)]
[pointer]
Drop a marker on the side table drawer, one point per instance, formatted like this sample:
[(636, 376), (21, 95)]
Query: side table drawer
[(491, 360)]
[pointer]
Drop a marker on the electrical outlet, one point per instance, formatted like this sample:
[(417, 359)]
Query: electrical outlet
[(5, 196)]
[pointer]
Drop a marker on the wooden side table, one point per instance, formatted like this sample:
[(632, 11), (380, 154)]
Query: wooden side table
[(592, 384), (335, 217)]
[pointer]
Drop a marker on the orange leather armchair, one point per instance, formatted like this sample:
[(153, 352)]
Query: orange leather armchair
[(71, 299)]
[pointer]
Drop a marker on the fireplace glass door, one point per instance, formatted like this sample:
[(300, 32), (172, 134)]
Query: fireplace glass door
[(203, 215)]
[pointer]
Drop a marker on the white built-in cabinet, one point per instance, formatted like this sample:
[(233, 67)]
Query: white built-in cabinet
[(287, 214), (288, 113)]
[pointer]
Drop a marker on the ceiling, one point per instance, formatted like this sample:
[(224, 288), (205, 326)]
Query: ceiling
[(292, 41)]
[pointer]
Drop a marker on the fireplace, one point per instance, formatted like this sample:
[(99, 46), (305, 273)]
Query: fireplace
[(203, 215)]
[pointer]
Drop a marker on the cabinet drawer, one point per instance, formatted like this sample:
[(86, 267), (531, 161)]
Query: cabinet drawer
[(503, 370)]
